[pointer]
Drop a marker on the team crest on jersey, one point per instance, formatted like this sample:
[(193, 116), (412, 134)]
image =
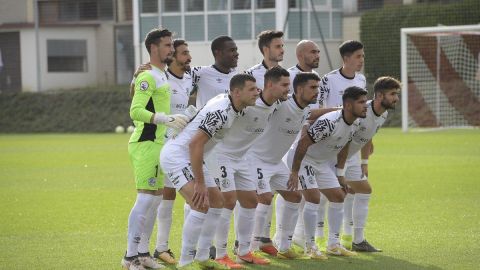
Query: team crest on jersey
[(144, 85), (152, 181), (261, 184), (225, 183)]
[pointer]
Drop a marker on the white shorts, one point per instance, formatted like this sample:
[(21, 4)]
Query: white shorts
[(269, 176), (178, 170), (317, 175), (321, 175), (234, 174), (353, 169)]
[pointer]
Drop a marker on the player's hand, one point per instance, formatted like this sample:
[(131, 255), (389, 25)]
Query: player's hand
[(200, 196), (292, 183), (364, 170), (142, 68), (176, 121), (343, 183)]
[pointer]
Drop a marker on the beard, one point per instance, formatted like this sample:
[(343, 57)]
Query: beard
[(387, 106)]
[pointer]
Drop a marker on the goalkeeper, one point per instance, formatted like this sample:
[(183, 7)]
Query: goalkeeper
[(150, 113)]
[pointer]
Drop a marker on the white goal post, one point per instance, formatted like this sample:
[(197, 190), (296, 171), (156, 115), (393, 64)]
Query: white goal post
[(440, 73)]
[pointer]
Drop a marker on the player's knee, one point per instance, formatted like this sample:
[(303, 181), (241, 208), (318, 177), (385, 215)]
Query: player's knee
[(296, 197), (337, 196), (265, 198), (169, 194), (229, 202)]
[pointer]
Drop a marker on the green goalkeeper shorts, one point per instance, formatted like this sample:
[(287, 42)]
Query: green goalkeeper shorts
[(145, 158)]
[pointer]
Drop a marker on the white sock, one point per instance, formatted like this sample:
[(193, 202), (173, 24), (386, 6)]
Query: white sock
[(360, 212), (207, 233), (322, 209), (186, 210), (245, 228), (268, 222), (221, 236), (136, 222), (335, 217), (260, 220), (299, 234), (347, 214), (190, 234), (289, 219), (310, 213), (143, 246), (279, 204), (164, 219)]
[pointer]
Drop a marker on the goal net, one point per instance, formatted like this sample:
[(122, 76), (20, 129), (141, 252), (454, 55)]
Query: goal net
[(441, 76)]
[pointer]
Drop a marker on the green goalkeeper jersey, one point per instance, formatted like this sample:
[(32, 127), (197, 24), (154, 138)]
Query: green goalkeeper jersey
[(152, 94)]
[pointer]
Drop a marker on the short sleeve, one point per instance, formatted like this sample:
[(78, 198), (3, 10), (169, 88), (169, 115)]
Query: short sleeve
[(213, 122)]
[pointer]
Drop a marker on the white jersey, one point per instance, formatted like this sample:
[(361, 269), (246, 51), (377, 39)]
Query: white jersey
[(180, 89), (247, 127), (210, 82), (258, 72), (366, 129), (283, 127), (333, 85), (330, 133), (214, 119), (293, 72)]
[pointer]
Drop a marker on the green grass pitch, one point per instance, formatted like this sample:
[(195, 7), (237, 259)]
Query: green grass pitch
[(65, 200)]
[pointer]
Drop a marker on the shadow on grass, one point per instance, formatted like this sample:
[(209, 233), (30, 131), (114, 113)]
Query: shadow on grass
[(363, 261)]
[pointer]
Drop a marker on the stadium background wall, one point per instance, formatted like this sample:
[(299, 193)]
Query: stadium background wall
[(380, 33)]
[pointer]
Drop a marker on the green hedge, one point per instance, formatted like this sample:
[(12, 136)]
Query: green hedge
[(65, 111), (380, 33)]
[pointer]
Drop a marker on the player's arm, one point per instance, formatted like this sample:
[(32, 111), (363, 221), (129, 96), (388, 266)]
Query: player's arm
[(302, 147), (139, 70), (196, 146), (143, 90), (341, 160), (366, 151)]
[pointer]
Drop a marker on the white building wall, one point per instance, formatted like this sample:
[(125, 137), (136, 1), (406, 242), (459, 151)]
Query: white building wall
[(56, 80)]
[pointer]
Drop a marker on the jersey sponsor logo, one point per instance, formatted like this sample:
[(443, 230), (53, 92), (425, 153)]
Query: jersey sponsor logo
[(289, 131), (152, 181), (255, 130), (144, 85), (219, 80)]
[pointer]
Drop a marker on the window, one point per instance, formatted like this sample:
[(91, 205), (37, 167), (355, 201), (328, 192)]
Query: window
[(193, 5), (265, 3), (217, 26), (241, 26), (170, 5), (147, 24), (324, 21), (217, 4), (194, 28), (174, 24), (67, 55), (149, 6), (241, 4), (264, 21)]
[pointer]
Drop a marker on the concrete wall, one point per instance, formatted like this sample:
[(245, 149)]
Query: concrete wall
[(250, 55), (105, 61), (351, 27), (56, 80), (14, 11)]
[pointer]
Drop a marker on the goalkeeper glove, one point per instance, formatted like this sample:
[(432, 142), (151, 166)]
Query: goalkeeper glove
[(176, 121)]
